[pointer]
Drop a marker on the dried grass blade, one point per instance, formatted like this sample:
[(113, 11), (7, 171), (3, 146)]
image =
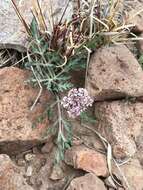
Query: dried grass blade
[(39, 15), (26, 26)]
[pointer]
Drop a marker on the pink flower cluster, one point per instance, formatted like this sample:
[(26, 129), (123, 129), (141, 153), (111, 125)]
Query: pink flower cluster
[(77, 101)]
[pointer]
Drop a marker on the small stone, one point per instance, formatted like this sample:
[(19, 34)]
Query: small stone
[(29, 171), (47, 148), (35, 150), (87, 182), (86, 159), (57, 173), (21, 162), (29, 157)]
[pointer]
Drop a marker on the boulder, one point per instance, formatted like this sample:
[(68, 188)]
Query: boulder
[(11, 177), (16, 119), (120, 122), (12, 32), (114, 73), (87, 159), (86, 182)]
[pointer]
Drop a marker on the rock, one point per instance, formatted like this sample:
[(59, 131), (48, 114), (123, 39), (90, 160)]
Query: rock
[(120, 123), (21, 162), (87, 182), (29, 157), (86, 159), (133, 173), (57, 173), (11, 178), (84, 136), (36, 150), (132, 8), (47, 148), (114, 73), (16, 119), (43, 171), (139, 144), (12, 33), (29, 171)]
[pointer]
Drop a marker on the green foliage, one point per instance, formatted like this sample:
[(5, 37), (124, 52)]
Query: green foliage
[(87, 117)]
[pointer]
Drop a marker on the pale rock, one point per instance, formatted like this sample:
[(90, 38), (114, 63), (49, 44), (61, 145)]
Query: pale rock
[(29, 171), (120, 122), (114, 73)]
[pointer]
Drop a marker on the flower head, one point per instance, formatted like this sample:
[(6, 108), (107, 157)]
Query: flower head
[(77, 101)]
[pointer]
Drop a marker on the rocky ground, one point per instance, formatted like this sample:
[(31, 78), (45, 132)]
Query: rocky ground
[(114, 80)]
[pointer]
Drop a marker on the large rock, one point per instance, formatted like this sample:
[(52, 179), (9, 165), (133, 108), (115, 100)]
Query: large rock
[(87, 182), (12, 33), (16, 119), (87, 159), (120, 123), (11, 177), (114, 73)]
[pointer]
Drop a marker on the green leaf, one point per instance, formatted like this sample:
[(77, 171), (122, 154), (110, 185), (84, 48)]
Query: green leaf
[(34, 28), (64, 86), (87, 117)]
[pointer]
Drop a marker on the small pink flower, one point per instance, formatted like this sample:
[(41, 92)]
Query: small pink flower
[(77, 101)]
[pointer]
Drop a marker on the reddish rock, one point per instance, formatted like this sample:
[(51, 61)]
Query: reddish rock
[(86, 159), (11, 177), (87, 182), (114, 73), (120, 123), (16, 119)]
